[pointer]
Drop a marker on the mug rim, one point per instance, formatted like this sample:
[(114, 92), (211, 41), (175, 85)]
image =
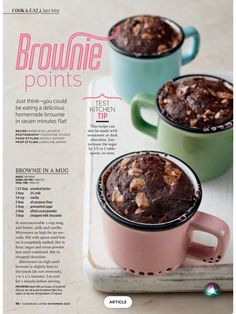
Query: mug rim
[(100, 192), (215, 129), (128, 54)]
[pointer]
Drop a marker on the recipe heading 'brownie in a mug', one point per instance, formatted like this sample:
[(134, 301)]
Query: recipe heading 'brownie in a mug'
[(148, 188), (147, 36), (197, 102)]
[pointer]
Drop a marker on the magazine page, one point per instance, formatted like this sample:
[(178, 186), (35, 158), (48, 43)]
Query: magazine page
[(118, 154)]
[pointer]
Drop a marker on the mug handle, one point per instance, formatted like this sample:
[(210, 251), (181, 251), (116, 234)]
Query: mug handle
[(192, 51), (215, 226), (139, 101)]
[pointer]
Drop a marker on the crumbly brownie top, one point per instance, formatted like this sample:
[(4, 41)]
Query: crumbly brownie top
[(146, 36), (148, 188), (197, 102)]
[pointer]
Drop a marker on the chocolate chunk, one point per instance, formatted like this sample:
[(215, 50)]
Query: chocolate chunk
[(139, 211), (172, 174), (135, 172), (136, 184), (161, 191), (117, 197), (197, 102), (224, 95), (141, 200), (147, 36)]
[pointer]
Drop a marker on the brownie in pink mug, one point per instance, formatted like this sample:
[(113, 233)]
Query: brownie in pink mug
[(150, 204)]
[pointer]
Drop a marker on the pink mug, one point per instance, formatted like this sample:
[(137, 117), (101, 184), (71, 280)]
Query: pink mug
[(157, 249)]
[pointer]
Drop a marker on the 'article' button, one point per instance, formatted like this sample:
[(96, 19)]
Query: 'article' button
[(115, 302)]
